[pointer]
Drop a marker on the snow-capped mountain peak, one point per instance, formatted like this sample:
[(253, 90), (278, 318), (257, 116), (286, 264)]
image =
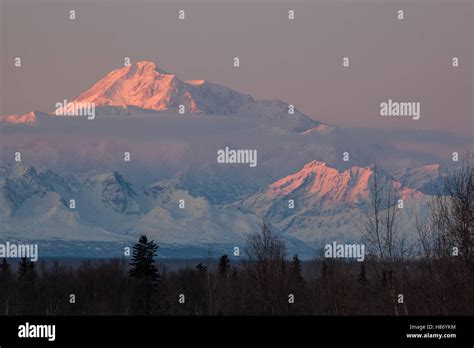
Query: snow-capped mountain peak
[(29, 118), (146, 86), (427, 179), (320, 203), (142, 84), (318, 180)]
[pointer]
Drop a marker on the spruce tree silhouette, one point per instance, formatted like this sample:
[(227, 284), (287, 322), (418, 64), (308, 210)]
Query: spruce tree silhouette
[(363, 274), (5, 270), (235, 273), (27, 285), (145, 277), (26, 269), (6, 286), (324, 269), (224, 265), (295, 270), (143, 260)]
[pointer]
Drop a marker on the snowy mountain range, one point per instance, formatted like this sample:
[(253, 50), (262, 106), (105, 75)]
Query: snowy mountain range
[(328, 203), (109, 208), (73, 193)]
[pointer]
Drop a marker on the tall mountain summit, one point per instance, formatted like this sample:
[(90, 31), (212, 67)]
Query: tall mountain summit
[(144, 86)]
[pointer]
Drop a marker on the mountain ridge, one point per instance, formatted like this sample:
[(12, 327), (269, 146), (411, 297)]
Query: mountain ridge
[(111, 208), (144, 86)]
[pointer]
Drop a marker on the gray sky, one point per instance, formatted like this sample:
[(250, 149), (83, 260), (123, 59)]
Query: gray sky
[(297, 61)]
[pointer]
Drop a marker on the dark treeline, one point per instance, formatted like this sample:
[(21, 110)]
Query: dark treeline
[(436, 280), (272, 287)]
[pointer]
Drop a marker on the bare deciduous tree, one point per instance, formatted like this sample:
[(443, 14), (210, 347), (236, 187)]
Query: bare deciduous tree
[(452, 211), (382, 237), (266, 265)]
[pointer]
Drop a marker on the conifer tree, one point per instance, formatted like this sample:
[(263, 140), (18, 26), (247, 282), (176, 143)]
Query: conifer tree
[(145, 275), (295, 269), (5, 270), (143, 260), (5, 287), (26, 269), (363, 274), (224, 265), (324, 269), (27, 287), (235, 273)]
